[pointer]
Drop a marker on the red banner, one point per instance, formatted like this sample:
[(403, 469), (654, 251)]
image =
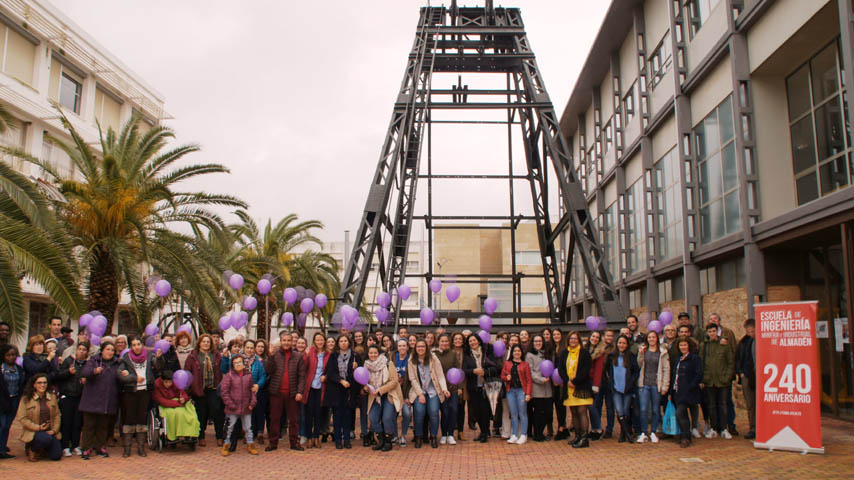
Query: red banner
[(788, 388)]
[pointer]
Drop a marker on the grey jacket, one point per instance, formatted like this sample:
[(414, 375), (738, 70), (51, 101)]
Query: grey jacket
[(542, 385)]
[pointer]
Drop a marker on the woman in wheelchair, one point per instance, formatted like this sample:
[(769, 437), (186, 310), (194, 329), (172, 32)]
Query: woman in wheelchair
[(177, 410)]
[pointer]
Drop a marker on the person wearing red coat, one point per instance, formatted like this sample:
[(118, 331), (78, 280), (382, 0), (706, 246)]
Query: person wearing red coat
[(177, 410), (238, 393), (316, 359), (204, 364), (516, 374)]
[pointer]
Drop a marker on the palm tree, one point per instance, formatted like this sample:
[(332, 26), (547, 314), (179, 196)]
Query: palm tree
[(125, 205), (317, 271)]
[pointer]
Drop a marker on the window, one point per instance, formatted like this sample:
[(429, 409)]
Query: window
[(669, 195), (18, 55), (611, 244), (699, 11), (107, 110), (671, 289), (724, 276), (590, 168), (660, 60), (537, 299), (820, 143), (69, 92), (503, 292), (629, 102), (718, 175), (635, 227), (637, 298), (411, 266), (40, 312), (608, 139), (529, 257)]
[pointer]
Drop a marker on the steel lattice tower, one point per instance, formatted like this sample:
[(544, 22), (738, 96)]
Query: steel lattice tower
[(476, 40)]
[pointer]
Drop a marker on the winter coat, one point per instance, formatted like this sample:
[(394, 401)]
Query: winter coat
[(29, 417), (391, 388), (128, 382), (69, 383), (165, 397), (101, 391), (194, 366), (542, 386), (336, 394), (745, 360), (582, 382), (259, 375), (632, 371), (34, 364), (489, 365), (275, 368), (167, 361), (686, 381), (311, 370), (436, 376), (6, 405), (663, 377), (718, 363), (237, 394), (524, 376)]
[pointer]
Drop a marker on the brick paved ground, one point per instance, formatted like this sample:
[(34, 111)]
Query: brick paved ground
[(496, 460)]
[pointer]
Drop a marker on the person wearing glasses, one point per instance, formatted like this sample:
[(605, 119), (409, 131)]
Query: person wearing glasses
[(39, 418)]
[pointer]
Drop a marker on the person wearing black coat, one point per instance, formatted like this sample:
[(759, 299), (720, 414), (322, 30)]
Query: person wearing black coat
[(11, 386), (686, 389), (137, 373), (621, 375), (342, 391), (69, 379), (480, 367), (36, 359), (577, 391)]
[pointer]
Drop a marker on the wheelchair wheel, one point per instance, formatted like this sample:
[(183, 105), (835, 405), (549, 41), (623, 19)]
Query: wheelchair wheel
[(155, 439)]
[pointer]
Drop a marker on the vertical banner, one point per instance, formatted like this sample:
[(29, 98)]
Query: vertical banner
[(788, 388)]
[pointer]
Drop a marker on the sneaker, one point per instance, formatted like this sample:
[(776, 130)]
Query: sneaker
[(711, 434), (726, 435), (402, 442), (77, 451), (66, 452), (522, 439), (706, 430), (750, 435), (695, 433), (513, 439), (451, 440), (443, 440), (642, 438), (103, 452), (653, 438)]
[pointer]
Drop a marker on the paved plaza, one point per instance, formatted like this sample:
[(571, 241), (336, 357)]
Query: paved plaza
[(719, 459)]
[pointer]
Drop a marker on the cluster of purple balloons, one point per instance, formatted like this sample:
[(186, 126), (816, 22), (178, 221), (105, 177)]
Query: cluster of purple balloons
[(95, 324), (595, 323), (665, 318), (435, 285), (233, 319)]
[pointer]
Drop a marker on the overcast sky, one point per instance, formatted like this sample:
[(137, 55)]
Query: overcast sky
[(295, 97)]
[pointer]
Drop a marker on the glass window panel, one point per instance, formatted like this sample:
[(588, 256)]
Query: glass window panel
[(803, 145), (825, 77), (733, 219), (730, 169), (798, 87), (807, 188), (833, 175), (828, 129), (725, 118), (707, 136), (69, 93), (713, 182), (716, 220)]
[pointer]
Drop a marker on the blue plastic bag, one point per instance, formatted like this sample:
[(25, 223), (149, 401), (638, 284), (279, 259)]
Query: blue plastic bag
[(669, 425)]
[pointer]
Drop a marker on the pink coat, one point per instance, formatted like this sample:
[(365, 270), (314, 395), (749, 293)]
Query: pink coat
[(237, 392)]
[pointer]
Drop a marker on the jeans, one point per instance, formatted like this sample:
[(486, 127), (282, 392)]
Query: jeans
[(449, 414), (635, 413), (431, 407), (6, 420), (341, 426), (406, 415), (49, 444), (303, 424), (622, 403), (314, 414), (518, 411), (649, 397), (383, 416), (72, 421), (231, 421), (602, 397), (363, 416), (209, 406), (259, 413), (716, 404)]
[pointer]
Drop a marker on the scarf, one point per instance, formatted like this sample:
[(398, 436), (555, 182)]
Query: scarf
[(137, 358), (478, 361), (182, 353), (599, 350), (343, 362), (379, 371), (248, 360), (207, 369)]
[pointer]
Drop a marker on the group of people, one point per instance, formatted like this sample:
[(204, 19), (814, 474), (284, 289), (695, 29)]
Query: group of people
[(67, 395)]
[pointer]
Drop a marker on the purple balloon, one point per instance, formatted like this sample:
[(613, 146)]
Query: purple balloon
[(301, 318), (655, 326), (382, 315), (666, 317), (151, 329), (320, 300), (383, 299), (182, 379), (186, 328), (162, 345), (306, 305), (264, 286), (287, 319), (547, 367), (498, 348), (95, 313), (362, 375), (455, 376), (290, 296), (490, 305), (350, 314), (426, 316), (485, 322), (149, 341), (242, 319), (309, 293), (96, 339), (484, 335), (98, 325), (85, 319), (235, 281), (435, 286), (225, 322), (249, 303), (124, 352), (349, 323), (19, 361), (300, 292), (592, 322), (556, 378), (453, 293), (404, 291), (162, 288)]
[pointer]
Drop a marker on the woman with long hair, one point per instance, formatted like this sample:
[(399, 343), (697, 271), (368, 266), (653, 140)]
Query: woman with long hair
[(99, 401), (574, 366), (260, 414), (341, 395), (450, 358), (401, 361), (621, 376), (653, 383), (205, 365), (11, 387), (388, 346), (598, 353), (430, 340), (428, 390), (36, 358), (516, 375), (458, 346), (479, 367), (559, 345), (312, 399), (137, 376), (183, 347), (541, 401), (38, 415), (384, 397)]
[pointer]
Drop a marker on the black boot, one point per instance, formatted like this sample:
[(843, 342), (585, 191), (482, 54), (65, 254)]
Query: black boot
[(582, 442), (387, 443), (127, 442), (366, 440), (418, 442), (380, 442), (623, 434), (140, 443)]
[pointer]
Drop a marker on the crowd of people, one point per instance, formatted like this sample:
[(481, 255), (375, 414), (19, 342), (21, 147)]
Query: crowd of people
[(70, 397)]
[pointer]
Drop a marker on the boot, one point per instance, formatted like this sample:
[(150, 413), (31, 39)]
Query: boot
[(387, 444), (418, 442), (140, 443), (366, 439), (252, 449), (582, 442), (623, 434), (225, 451), (127, 439), (379, 444)]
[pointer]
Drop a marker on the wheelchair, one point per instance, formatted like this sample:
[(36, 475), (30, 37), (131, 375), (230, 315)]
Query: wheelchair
[(157, 440)]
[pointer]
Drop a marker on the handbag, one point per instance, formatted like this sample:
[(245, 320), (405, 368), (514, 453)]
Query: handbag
[(669, 425)]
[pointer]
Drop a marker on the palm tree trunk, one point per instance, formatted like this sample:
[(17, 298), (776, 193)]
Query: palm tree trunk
[(261, 328), (206, 322), (104, 286)]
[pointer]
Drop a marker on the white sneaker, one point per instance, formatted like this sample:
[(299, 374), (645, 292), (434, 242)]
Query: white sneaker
[(711, 434), (642, 438), (443, 440), (513, 439), (451, 440), (726, 435), (522, 440), (653, 438), (402, 442), (695, 433), (66, 452), (78, 452), (706, 430)]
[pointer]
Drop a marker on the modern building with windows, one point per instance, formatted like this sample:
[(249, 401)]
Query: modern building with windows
[(713, 141), (45, 59)]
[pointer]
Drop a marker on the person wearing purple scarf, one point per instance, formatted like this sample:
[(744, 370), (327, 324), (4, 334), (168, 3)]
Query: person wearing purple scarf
[(136, 376)]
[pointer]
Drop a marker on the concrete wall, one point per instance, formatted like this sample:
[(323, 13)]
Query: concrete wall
[(708, 35), (773, 145), (712, 91), (777, 25)]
